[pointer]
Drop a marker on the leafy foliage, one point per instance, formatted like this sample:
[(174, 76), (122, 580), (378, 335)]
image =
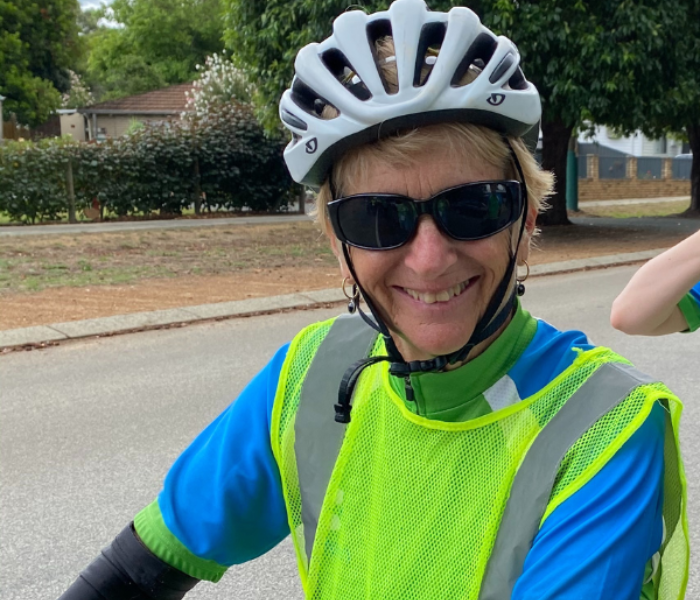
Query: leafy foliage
[(157, 43), (679, 112), (116, 70), (33, 179), (603, 61), (38, 43), (221, 160)]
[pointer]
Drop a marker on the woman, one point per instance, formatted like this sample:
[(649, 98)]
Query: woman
[(447, 444), (664, 295)]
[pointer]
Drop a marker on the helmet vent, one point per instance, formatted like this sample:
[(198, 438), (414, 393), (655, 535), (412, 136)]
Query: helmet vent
[(517, 81), (431, 38), (309, 101), (474, 61), (337, 63), (291, 119), (376, 32)]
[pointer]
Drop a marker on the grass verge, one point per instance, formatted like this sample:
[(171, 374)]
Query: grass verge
[(34, 263)]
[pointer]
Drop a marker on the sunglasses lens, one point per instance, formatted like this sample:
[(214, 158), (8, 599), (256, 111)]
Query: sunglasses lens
[(469, 212), (477, 211), (375, 221)]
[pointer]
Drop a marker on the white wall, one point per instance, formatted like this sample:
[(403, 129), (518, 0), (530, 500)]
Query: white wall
[(635, 145), (73, 124)]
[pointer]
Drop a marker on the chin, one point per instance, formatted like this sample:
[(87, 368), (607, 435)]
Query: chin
[(441, 342)]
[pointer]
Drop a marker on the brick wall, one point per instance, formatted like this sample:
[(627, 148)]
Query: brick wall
[(619, 189), (593, 188)]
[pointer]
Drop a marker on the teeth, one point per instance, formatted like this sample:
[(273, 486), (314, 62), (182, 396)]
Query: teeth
[(443, 296)]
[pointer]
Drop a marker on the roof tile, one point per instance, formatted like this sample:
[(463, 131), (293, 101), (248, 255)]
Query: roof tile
[(170, 100)]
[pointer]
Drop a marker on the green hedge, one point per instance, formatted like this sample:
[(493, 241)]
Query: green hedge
[(220, 161)]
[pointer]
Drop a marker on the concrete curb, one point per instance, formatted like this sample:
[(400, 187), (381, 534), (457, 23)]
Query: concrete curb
[(46, 335)]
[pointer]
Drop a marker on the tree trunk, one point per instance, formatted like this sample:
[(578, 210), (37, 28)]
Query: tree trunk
[(302, 199), (694, 139), (197, 188), (555, 145), (71, 193)]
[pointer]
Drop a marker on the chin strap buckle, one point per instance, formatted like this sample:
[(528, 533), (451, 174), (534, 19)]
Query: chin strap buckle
[(342, 412), (347, 387), (404, 369)]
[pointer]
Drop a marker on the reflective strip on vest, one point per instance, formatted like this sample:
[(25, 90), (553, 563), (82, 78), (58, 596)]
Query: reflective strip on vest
[(534, 480), (317, 436)]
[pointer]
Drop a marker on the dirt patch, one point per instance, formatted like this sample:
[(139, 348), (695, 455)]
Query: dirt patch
[(170, 269)]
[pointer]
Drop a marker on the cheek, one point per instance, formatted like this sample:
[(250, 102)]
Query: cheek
[(492, 253), (372, 268)]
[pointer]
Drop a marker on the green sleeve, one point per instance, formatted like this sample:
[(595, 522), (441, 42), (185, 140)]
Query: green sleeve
[(158, 539), (691, 312)]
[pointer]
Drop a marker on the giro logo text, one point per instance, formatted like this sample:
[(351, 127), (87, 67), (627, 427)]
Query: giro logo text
[(496, 99), (311, 146)]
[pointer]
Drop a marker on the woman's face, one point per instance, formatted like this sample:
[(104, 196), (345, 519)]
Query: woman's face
[(432, 291)]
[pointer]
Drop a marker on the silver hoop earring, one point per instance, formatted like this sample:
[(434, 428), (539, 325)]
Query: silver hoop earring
[(520, 283), (353, 297)]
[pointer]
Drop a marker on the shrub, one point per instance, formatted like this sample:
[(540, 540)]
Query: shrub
[(220, 160), (33, 180)]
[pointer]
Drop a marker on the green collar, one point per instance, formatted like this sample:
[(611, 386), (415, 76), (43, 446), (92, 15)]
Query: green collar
[(456, 395)]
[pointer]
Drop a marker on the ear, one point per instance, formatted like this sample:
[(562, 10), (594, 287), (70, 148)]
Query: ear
[(529, 231)]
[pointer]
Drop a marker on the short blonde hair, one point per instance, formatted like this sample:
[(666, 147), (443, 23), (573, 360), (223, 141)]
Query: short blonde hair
[(472, 142)]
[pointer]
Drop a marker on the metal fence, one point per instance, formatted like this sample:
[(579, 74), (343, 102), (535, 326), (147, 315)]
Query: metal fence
[(612, 167), (649, 167), (617, 166), (680, 168)]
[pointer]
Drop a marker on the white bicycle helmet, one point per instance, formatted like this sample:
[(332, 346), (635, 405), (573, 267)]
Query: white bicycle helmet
[(343, 72)]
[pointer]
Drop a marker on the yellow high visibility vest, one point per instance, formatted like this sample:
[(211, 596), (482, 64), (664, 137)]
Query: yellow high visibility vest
[(397, 506)]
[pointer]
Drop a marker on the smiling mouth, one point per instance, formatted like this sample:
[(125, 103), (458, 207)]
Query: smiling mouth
[(441, 296)]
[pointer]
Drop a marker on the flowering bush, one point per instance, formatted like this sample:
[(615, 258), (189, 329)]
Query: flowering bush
[(219, 83), (79, 93)]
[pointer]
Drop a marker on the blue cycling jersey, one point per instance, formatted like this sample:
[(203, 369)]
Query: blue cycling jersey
[(222, 500)]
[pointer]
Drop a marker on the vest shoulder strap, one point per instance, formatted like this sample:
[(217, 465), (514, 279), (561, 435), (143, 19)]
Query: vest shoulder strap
[(532, 486), (318, 437)]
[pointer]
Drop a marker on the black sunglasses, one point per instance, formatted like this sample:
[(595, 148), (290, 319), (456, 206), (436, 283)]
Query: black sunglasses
[(471, 211)]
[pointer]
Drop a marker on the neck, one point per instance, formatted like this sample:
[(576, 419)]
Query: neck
[(481, 347)]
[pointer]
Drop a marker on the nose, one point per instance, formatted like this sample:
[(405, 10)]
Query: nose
[(431, 252)]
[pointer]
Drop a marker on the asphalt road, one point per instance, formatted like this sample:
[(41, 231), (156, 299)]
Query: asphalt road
[(89, 428)]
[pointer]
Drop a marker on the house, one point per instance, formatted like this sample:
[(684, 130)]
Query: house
[(114, 117), (608, 142)]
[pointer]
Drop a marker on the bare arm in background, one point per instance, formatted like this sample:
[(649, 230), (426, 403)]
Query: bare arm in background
[(649, 303)]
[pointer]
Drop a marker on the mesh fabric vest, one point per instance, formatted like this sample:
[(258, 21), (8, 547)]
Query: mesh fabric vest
[(413, 505)]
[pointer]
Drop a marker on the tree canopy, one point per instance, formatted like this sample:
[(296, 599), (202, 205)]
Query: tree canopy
[(601, 60), (150, 44), (678, 113), (38, 44)]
